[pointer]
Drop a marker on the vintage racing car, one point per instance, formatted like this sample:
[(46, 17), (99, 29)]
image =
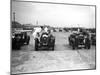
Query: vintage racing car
[(44, 41), (20, 39), (79, 40)]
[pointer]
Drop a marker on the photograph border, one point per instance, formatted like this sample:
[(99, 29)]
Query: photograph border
[(59, 4)]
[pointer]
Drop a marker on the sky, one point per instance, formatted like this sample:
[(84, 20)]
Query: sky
[(57, 15)]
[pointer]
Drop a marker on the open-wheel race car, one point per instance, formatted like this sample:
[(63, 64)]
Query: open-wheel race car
[(79, 40), (20, 39), (45, 41)]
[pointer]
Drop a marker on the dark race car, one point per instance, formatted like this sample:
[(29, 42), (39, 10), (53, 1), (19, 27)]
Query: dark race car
[(79, 40), (93, 39), (45, 41), (20, 39)]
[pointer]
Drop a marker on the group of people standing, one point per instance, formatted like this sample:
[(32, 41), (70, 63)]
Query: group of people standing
[(39, 30)]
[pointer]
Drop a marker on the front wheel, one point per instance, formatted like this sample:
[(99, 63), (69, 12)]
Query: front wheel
[(73, 47), (36, 44), (17, 46), (52, 48), (28, 41), (87, 44)]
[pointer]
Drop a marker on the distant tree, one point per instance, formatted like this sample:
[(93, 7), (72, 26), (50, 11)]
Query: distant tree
[(16, 24)]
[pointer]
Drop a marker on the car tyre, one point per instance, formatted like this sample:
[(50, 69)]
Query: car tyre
[(36, 44), (87, 44)]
